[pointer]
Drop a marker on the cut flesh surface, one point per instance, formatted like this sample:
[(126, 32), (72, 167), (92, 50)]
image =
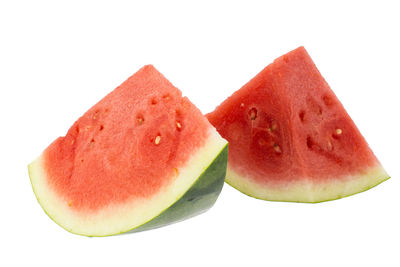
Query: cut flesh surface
[(139, 152), (291, 139)]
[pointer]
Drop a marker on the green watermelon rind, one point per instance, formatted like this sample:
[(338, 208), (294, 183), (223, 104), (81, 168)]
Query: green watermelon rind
[(199, 196), (377, 175)]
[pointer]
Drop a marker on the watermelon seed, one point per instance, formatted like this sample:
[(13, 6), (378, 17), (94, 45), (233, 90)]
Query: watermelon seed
[(286, 59), (242, 105), (140, 119), (178, 125), (157, 140), (338, 131), (309, 142), (328, 101), (314, 106), (277, 149), (253, 114), (330, 146), (95, 115), (301, 115), (273, 127)]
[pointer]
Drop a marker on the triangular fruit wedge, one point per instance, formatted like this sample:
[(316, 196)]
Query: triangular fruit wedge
[(290, 139), (142, 157)]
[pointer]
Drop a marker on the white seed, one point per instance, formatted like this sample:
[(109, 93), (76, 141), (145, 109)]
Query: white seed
[(253, 114), (339, 131), (273, 126), (157, 140), (178, 125), (277, 149), (329, 145), (242, 105)]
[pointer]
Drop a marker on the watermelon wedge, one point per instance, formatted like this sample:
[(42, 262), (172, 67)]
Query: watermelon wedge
[(290, 139), (142, 157)]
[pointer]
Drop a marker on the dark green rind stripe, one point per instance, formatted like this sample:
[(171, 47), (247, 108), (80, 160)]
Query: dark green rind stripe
[(200, 197)]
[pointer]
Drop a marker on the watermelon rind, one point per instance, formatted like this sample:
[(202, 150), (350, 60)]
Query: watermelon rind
[(195, 190), (198, 199), (306, 190)]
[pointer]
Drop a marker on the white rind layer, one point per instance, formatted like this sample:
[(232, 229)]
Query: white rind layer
[(120, 218), (306, 190)]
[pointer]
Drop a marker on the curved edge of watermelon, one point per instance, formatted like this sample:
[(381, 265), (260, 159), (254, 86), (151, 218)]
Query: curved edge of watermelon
[(199, 198), (309, 192), (194, 191)]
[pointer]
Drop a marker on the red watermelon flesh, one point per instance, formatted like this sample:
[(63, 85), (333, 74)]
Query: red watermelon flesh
[(127, 159), (155, 125), (291, 139)]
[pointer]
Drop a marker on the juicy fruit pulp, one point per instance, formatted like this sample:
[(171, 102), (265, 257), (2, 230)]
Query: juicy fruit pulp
[(291, 139), (129, 145), (129, 158)]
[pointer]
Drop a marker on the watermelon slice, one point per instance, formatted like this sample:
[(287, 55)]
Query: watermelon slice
[(142, 157), (291, 139)]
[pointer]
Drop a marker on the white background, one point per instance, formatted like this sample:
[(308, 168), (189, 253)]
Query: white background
[(57, 60)]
